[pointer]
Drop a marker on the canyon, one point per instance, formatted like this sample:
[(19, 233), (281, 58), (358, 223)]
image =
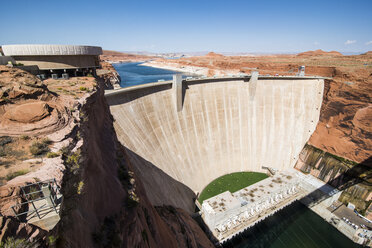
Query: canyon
[(130, 164)]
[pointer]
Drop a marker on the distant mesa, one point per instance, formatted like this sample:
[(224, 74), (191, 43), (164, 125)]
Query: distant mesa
[(320, 52), (115, 53), (369, 53), (213, 54), (114, 56)]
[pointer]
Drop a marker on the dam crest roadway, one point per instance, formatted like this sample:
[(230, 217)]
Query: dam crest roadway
[(180, 135)]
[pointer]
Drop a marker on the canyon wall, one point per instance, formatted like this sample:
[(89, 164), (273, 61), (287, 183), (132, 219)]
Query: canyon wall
[(351, 177), (104, 203), (225, 126)]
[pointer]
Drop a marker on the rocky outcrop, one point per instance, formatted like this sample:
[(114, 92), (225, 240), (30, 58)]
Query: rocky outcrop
[(28, 112), (110, 76), (354, 179), (105, 205), (10, 197), (17, 84), (344, 128), (11, 227), (27, 107), (183, 227)]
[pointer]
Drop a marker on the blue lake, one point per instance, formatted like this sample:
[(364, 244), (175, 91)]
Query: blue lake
[(134, 74)]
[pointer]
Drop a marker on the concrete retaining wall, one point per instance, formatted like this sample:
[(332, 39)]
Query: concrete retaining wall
[(223, 127)]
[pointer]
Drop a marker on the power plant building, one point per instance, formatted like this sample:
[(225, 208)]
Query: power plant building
[(47, 60)]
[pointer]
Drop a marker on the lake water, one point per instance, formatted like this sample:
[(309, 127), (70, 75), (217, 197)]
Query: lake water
[(134, 74)]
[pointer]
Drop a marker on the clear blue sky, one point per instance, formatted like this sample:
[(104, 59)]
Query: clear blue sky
[(189, 25)]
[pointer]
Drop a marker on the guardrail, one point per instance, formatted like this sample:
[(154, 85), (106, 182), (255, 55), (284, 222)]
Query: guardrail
[(46, 190)]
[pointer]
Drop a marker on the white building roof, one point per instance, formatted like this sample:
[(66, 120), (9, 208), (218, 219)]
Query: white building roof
[(222, 202), (42, 50)]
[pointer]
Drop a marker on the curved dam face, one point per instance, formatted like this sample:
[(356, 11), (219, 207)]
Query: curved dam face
[(221, 126)]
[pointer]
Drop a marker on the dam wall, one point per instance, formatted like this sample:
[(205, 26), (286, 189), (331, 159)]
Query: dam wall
[(224, 125)]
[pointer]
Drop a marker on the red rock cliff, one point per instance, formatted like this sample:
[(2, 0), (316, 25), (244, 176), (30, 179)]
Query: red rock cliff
[(104, 203)]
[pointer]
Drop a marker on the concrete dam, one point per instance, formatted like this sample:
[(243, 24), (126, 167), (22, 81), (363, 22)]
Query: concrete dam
[(182, 135)]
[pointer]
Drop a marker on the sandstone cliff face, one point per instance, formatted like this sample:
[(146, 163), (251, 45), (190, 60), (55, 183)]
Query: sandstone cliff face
[(354, 179), (27, 106), (110, 76), (345, 122), (11, 227), (104, 203)]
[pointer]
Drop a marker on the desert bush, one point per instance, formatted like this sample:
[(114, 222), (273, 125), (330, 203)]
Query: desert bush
[(52, 155), (15, 174), (25, 137), (40, 147), (3, 151), (64, 150), (5, 140), (80, 187), (83, 88), (132, 200), (12, 242), (73, 160), (52, 239)]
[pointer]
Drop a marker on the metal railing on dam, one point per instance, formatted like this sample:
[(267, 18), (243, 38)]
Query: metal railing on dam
[(181, 135)]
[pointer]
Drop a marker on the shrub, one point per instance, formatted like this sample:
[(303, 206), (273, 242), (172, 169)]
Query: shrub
[(25, 137), (3, 151), (73, 160), (5, 140), (9, 152), (123, 176), (15, 174), (40, 147), (17, 243), (83, 116), (80, 187), (52, 239), (64, 150), (132, 200), (83, 88), (6, 99), (52, 155)]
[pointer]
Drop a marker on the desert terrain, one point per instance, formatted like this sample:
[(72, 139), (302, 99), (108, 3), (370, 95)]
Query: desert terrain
[(119, 57)]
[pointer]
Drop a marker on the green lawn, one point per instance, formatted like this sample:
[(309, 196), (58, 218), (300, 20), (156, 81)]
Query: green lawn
[(231, 182)]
